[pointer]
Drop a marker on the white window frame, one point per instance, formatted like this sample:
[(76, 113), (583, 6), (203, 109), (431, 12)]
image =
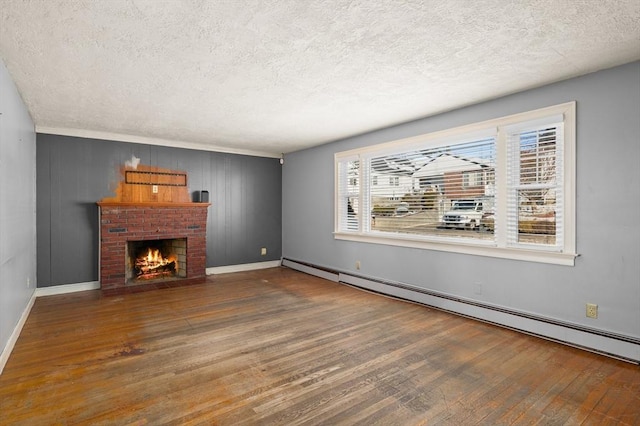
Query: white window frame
[(500, 246)]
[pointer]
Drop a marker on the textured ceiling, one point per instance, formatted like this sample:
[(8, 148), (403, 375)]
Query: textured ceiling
[(272, 76)]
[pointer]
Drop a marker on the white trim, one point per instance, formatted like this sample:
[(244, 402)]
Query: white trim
[(555, 332), (67, 288), (463, 134), (8, 348), (533, 125), (243, 267), (477, 248), (327, 275), (570, 334), (119, 137), (39, 292), (570, 177), (442, 137)]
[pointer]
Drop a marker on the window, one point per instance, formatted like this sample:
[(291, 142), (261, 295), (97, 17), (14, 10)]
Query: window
[(349, 193), (473, 178), (534, 182), (502, 188)]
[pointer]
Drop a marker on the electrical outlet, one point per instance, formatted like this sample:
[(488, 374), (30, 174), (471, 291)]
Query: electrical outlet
[(154, 189), (358, 265), (28, 282), (263, 251), (592, 310)]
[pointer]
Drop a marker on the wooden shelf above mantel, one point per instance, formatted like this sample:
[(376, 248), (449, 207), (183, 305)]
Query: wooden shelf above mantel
[(148, 204), (150, 186)]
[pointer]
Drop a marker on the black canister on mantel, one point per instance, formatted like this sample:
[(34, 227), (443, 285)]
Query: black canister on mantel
[(201, 196)]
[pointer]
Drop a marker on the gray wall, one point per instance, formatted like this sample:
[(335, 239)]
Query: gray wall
[(74, 173), (608, 201), (17, 207)]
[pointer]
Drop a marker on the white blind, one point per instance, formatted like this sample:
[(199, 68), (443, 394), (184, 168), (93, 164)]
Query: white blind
[(349, 184), (534, 179), (446, 191)]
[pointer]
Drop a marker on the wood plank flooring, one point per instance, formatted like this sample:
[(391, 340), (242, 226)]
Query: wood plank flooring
[(280, 347)]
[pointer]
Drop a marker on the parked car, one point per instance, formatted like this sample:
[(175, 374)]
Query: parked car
[(464, 214)]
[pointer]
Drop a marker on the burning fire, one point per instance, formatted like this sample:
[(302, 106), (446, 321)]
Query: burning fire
[(153, 264)]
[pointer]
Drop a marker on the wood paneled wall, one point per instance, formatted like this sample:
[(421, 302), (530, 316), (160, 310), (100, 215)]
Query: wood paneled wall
[(74, 173)]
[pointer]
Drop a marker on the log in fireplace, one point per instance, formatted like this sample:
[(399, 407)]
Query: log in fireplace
[(151, 235), (149, 260)]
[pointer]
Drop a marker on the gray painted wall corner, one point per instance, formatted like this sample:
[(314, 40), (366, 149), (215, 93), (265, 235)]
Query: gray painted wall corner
[(17, 208)]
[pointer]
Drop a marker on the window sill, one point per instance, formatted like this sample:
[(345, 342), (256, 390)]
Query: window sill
[(479, 248)]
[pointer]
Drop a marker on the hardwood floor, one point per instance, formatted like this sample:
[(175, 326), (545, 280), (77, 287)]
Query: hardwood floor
[(280, 347)]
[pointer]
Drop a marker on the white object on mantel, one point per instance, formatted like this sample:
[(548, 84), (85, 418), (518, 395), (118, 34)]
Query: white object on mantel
[(133, 163), (282, 75)]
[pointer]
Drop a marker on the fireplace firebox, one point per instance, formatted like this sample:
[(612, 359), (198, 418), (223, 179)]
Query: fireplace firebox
[(150, 260)]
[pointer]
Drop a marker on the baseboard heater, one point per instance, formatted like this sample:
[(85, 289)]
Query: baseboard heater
[(614, 345)]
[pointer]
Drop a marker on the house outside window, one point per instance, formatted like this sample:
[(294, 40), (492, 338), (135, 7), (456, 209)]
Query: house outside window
[(501, 188)]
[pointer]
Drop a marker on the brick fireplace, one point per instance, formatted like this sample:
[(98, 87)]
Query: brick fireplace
[(151, 209), (121, 223)]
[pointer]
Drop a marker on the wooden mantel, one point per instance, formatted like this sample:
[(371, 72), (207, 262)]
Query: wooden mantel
[(149, 204)]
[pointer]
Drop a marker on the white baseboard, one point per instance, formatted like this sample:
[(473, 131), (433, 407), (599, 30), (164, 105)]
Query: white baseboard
[(39, 292), (625, 348), (242, 267), (327, 275), (567, 334), (8, 348), (95, 285), (67, 288)]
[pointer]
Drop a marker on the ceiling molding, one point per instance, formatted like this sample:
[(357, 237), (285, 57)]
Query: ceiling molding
[(117, 137)]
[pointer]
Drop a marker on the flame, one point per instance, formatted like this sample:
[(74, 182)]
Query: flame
[(149, 263), (154, 259)]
